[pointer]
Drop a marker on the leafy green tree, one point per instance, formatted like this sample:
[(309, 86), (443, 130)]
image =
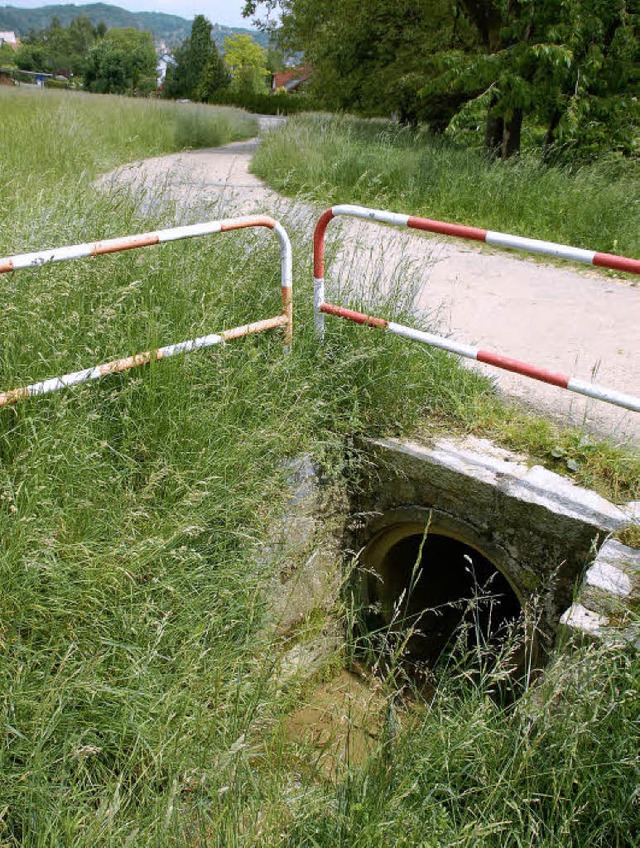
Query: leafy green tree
[(58, 48), (215, 77), (247, 64), (191, 60), (572, 64), (56, 41), (44, 50), (123, 62), (7, 56), (82, 36), (370, 57), (30, 57), (587, 77), (275, 59)]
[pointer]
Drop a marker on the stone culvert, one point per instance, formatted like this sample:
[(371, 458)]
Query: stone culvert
[(496, 526)]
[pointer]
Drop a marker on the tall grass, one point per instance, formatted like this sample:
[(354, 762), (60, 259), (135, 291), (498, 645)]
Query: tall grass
[(139, 703), (54, 144), (377, 163), (555, 770), (62, 129)]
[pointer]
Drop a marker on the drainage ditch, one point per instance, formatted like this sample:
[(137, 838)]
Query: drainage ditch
[(505, 541), (503, 538), (514, 536)]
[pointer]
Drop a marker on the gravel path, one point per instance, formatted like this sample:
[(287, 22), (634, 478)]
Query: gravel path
[(578, 322)]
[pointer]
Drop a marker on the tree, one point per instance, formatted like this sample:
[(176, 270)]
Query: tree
[(214, 79), (31, 57), (247, 64), (57, 48), (123, 62), (569, 63), (370, 57), (82, 37), (191, 60), (275, 59), (587, 74), (7, 56)]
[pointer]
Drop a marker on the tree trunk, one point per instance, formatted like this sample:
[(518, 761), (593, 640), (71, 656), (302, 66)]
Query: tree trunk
[(502, 137), (408, 116), (511, 135), (494, 131), (550, 138)]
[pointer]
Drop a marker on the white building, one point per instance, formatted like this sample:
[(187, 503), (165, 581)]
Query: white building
[(164, 60), (10, 39)]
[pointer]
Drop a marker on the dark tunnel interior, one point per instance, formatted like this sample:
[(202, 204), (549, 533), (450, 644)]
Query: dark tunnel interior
[(446, 593)]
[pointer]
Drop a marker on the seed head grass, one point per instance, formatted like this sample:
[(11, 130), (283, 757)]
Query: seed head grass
[(139, 699), (378, 163)]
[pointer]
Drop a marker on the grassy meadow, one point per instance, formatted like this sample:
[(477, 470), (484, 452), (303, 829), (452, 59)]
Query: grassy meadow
[(139, 703), (55, 143), (381, 164)]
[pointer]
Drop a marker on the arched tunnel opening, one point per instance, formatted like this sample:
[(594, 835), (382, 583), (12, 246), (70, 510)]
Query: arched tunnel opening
[(433, 594)]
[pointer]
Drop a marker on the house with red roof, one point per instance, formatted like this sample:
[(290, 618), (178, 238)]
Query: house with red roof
[(291, 80)]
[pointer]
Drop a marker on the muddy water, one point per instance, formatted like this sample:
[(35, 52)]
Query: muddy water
[(340, 724)]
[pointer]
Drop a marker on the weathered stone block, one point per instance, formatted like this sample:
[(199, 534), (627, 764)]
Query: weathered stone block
[(538, 528), (609, 592)]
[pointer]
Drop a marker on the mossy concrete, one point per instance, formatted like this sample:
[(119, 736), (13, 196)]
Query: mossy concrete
[(538, 528), (607, 605), (304, 593), (549, 537)]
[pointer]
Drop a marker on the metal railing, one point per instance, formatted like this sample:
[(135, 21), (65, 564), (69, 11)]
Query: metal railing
[(572, 384), (321, 307), (100, 248)]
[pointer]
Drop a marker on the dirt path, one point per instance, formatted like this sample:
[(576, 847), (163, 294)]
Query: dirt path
[(581, 323)]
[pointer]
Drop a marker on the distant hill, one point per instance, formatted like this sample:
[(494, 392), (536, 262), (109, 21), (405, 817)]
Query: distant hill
[(171, 29)]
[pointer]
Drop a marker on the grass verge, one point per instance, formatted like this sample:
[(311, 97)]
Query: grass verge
[(138, 700), (377, 163), (58, 142)]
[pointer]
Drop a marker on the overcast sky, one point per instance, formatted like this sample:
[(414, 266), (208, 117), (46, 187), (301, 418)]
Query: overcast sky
[(227, 12)]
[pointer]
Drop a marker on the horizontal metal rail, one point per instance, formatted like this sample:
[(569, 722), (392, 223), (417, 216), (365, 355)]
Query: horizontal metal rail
[(573, 384), (100, 248)]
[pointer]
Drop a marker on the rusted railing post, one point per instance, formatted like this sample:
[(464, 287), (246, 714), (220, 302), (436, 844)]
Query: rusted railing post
[(545, 248), (101, 248)]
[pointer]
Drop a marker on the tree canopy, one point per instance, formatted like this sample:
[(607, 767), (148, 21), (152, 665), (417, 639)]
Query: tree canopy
[(113, 61), (7, 56), (123, 61), (247, 64), (569, 66), (215, 77), (58, 48), (200, 73), (198, 70)]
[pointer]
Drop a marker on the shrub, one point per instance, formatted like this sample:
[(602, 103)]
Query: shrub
[(267, 104)]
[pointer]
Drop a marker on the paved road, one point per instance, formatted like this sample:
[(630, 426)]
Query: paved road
[(578, 322)]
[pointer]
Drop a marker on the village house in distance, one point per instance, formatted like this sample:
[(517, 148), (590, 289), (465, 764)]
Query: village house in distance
[(9, 38)]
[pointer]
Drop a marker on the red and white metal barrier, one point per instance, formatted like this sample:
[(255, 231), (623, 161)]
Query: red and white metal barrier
[(573, 384), (63, 254)]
